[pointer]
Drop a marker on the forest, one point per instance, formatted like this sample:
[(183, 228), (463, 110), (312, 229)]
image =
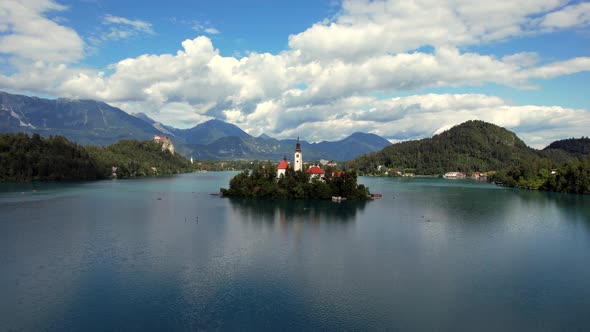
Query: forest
[(477, 146), (468, 147), (25, 158)]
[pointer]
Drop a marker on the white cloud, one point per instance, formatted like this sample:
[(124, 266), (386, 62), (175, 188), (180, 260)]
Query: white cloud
[(420, 116), (205, 28), (324, 86), (135, 24), (212, 31), (282, 95), (365, 28), (28, 34), (577, 15), (122, 28)]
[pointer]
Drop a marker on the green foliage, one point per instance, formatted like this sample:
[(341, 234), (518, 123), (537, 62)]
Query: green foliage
[(578, 147), (574, 177), (471, 146), (261, 181), (24, 158), (484, 147), (138, 158)]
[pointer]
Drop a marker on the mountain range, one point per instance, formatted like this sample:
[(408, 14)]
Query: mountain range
[(91, 122)]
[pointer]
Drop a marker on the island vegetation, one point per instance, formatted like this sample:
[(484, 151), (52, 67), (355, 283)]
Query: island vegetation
[(262, 181)]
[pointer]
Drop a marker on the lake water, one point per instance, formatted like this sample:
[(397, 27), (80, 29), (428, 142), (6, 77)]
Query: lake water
[(164, 255)]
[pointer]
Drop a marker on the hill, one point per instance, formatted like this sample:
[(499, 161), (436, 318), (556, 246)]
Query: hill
[(470, 146), (577, 147), (137, 158), (24, 158), (33, 158)]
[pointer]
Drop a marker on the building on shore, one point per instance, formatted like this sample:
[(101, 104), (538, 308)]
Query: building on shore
[(455, 175)]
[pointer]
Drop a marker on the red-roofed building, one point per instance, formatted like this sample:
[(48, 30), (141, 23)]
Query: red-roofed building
[(282, 168), (316, 172)]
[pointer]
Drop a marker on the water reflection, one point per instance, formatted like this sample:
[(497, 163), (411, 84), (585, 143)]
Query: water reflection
[(270, 211)]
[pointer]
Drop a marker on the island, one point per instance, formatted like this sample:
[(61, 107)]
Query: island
[(292, 180)]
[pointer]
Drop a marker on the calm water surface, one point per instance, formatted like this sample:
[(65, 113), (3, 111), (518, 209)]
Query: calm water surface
[(162, 254)]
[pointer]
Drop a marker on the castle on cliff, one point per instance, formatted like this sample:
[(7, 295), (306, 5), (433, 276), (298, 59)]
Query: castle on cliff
[(165, 142)]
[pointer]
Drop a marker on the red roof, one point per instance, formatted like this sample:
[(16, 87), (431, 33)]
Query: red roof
[(283, 165), (315, 170)]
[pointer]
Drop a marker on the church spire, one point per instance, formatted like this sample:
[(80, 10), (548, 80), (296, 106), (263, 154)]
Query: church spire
[(298, 162)]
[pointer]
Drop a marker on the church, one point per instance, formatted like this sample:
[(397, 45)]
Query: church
[(314, 171), (298, 161)]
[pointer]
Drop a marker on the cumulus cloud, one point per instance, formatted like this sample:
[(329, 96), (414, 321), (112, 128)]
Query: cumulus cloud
[(282, 95), (368, 27), (29, 35), (420, 116), (324, 86)]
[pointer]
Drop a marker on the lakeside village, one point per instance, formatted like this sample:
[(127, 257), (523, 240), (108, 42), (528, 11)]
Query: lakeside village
[(292, 180)]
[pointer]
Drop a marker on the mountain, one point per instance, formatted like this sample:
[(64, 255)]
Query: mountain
[(82, 121), (233, 147), (352, 146), (470, 146), (210, 131), (169, 130), (92, 122)]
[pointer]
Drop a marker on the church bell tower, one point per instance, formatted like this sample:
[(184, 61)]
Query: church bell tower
[(298, 160)]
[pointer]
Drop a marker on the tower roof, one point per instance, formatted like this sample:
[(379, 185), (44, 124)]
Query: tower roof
[(298, 146)]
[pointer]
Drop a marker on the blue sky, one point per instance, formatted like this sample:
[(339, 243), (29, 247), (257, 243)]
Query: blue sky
[(317, 69)]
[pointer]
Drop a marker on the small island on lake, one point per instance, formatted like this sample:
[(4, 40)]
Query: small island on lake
[(294, 181)]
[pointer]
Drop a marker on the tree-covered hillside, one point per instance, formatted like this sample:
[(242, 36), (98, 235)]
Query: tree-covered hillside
[(138, 158), (573, 177), (578, 147), (32, 158), (24, 158), (471, 146)]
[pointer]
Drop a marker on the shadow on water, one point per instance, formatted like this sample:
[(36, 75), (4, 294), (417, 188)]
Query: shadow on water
[(573, 207), (269, 210)]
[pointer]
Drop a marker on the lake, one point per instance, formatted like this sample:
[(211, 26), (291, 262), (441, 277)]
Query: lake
[(162, 254)]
